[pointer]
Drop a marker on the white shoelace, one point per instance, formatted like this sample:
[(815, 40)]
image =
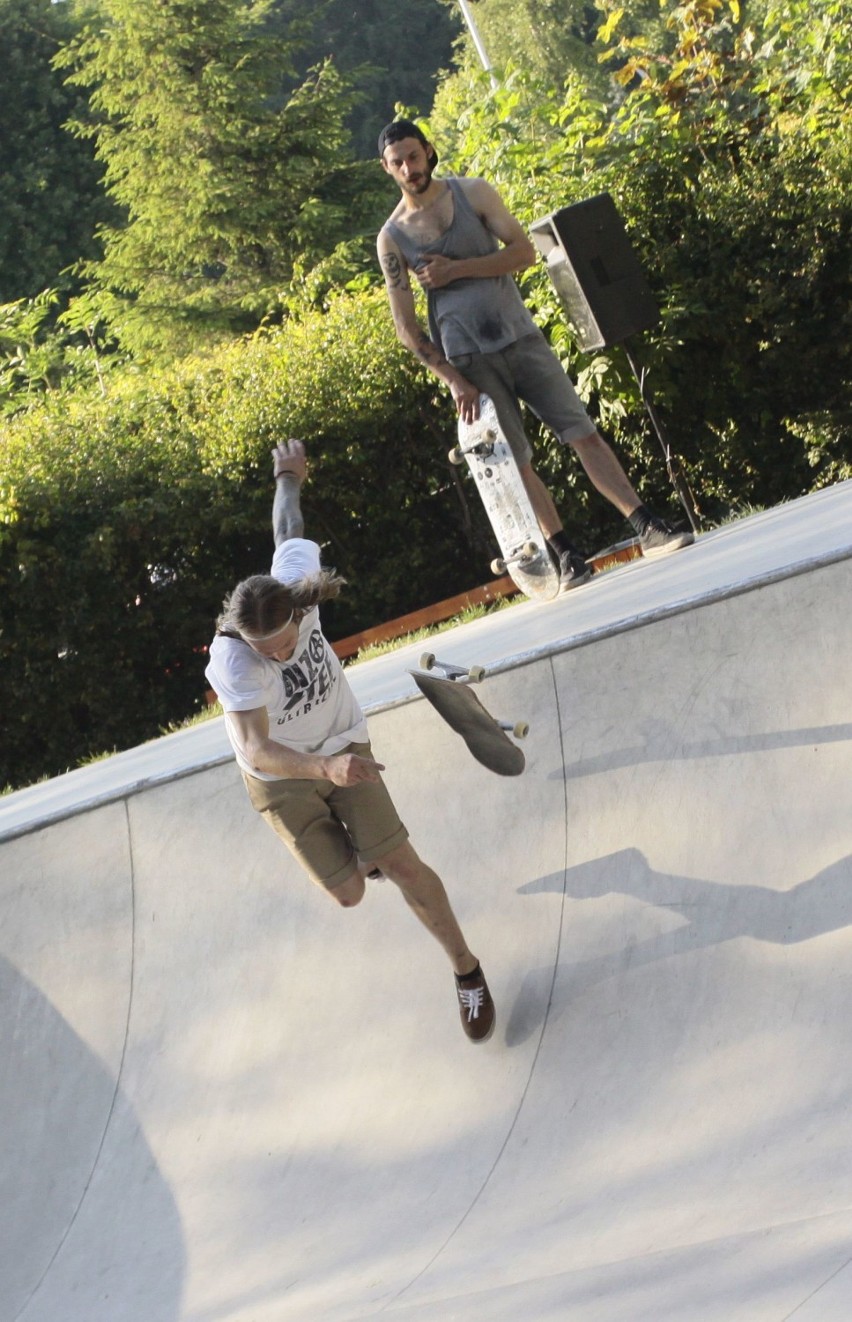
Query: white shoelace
[(472, 1000)]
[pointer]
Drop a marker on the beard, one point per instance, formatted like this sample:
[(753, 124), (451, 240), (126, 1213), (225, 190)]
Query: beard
[(422, 182)]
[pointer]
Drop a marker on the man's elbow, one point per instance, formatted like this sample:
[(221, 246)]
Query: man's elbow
[(407, 335), (290, 528), (255, 751)]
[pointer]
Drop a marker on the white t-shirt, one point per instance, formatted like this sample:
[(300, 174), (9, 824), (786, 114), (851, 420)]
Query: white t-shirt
[(311, 707)]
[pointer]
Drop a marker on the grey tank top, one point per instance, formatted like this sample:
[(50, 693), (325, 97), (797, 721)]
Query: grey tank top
[(474, 315)]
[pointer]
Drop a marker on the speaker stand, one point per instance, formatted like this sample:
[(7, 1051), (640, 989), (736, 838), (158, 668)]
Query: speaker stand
[(673, 464)]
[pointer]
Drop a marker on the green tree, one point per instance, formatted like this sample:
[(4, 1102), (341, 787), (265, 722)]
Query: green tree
[(224, 182), (550, 39), (42, 352), (52, 201), (392, 50)]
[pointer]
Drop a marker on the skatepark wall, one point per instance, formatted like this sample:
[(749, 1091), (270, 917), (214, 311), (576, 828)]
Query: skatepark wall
[(225, 1098)]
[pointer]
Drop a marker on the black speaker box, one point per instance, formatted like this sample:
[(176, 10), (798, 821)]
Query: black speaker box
[(595, 272)]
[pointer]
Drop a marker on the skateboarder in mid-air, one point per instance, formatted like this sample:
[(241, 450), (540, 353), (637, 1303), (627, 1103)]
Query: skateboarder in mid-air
[(302, 745), (463, 246)]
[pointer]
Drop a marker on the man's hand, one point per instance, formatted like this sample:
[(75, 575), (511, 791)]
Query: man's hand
[(466, 398), (350, 769), (436, 271), (289, 457)]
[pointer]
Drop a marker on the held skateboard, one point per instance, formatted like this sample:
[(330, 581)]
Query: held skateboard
[(524, 552), (459, 706)]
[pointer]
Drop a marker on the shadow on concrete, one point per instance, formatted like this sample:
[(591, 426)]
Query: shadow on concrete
[(713, 913), (663, 742), (59, 1106)]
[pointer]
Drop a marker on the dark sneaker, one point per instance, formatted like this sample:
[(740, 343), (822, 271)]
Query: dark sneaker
[(657, 538), (476, 1007), (573, 571)]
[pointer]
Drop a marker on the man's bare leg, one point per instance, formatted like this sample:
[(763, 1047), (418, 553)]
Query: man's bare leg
[(605, 473), (542, 501), (573, 570), (609, 478), (423, 892)]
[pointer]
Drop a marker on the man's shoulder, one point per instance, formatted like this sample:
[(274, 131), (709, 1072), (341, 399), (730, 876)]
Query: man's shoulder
[(296, 558), (386, 231), (229, 650), (470, 182), (478, 191), (232, 661)]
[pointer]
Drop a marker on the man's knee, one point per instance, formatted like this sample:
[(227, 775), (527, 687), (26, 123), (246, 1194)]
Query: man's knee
[(350, 892), (589, 441), (403, 865)]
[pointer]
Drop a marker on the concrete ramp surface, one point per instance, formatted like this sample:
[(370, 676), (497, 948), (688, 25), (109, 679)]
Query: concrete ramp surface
[(224, 1099)]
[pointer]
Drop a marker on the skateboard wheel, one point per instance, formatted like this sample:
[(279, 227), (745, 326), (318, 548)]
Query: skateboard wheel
[(521, 730), (498, 566), (427, 660), (456, 455), (476, 674), (530, 549)]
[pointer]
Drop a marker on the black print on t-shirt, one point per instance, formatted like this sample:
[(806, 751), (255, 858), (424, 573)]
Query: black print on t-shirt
[(308, 680)]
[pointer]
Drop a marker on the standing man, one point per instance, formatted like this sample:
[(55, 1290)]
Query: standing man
[(302, 745), (463, 245)]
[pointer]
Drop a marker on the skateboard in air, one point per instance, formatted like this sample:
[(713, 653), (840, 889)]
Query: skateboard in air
[(523, 550), (453, 699)]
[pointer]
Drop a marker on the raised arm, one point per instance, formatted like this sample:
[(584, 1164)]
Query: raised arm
[(290, 468), (410, 332)]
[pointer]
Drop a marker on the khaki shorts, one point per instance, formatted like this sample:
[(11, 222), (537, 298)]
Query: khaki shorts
[(328, 827), (528, 370)]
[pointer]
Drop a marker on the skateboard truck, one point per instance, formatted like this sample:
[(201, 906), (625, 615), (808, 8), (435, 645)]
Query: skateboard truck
[(482, 448), (473, 675), (527, 554)]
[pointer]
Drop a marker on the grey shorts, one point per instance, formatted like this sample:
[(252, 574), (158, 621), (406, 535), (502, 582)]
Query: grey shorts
[(528, 370), (328, 827)]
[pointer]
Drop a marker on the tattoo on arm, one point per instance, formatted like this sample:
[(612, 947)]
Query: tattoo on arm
[(396, 278), (428, 352), (287, 518), (394, 271)]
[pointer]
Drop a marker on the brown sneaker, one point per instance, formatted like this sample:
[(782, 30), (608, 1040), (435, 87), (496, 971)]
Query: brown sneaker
[(476, 1007)]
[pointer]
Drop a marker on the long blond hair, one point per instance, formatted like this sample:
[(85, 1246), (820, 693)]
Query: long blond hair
[(261, 605)]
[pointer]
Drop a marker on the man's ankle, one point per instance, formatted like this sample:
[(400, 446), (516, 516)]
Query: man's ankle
[(560, 543), (639, 519)]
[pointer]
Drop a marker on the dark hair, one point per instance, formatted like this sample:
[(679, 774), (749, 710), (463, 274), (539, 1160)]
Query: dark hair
[(405, 128), (261, 605)]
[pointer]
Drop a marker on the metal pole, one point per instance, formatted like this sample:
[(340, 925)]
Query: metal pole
[(477, 41), (673, 464)]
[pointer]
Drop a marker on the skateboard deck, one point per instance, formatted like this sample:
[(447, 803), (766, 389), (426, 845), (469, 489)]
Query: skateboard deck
[(524, 553), (463, 712)]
